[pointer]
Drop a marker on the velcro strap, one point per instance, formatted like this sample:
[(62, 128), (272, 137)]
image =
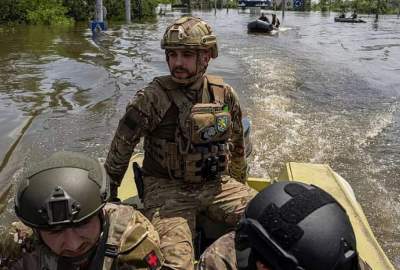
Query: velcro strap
[(111, 251), (219, 94), (304, 202), (282, 222)]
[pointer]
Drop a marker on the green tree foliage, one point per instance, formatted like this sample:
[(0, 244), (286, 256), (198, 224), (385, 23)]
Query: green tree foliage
[(79, 10), (12, 10), (64, 11), (45, 12), (361, 6), (33, 11)]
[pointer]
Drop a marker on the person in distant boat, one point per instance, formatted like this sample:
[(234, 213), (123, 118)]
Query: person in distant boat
[(264, 18), (354, 15), (342, 15), (275, 21), (288, 226)]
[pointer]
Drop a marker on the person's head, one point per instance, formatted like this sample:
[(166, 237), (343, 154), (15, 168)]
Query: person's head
[(189, 45), (295, 226), (62, 199), (262, 14), (273, 15)]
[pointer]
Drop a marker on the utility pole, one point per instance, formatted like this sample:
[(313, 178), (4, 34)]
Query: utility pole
[(283, 9), (378, 7), (99, 11), (128, 11), (139, 3)]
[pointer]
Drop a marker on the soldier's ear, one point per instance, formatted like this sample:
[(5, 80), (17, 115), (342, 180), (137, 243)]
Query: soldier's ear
[(205, 56)]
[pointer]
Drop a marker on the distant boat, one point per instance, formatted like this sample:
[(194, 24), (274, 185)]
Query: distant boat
[(255, 3), (259, 26), (349, 20)]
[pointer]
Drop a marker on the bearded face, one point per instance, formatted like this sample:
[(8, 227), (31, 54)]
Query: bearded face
[(186, 63)]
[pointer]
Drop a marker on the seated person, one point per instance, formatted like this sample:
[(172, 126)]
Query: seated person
[(263, 18), (354, 15), (63, 200), (275, 21), (288, 226), (342, 15)]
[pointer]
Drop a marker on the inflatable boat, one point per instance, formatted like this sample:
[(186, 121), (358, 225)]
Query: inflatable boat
[(320, 175), (259, 26), (349, 20)]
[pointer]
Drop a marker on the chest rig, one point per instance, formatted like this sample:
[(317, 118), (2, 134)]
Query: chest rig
[(199, 151)]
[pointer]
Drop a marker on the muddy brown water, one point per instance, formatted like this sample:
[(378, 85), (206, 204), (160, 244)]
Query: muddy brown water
[(318, 91)]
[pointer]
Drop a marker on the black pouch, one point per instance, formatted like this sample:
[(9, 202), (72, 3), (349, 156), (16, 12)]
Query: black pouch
[(138, 174)]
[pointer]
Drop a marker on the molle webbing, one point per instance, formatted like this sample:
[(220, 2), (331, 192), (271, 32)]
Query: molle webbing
[(283, 222), (199, 148), (162, 151), (190, 165)]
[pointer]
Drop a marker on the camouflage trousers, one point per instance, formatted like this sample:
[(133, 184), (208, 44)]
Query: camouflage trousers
[(172, 207)]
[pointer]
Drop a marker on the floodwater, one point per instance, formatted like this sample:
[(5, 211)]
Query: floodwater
[(319, 92)]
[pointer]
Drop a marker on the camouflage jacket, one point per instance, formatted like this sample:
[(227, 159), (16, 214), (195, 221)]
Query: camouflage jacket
[(221, 255), (133, 236), (145, 114)]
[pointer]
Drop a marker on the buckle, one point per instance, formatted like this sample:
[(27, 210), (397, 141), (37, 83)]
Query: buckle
[(111, 251)]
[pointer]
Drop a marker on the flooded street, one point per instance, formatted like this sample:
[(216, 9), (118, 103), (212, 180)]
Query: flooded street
[(319, 91)]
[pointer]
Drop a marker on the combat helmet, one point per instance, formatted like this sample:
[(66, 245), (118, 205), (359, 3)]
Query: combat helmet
[(65, 189), (190, 33), (295, 226)]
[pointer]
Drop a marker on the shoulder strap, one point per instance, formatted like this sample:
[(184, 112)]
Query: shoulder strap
[(178, 98), (165, 82), (47, 260), (217, 87), (215, 80), (118, 221)]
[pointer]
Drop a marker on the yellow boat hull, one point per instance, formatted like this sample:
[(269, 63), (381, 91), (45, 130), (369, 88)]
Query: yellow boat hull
[(320, 175)]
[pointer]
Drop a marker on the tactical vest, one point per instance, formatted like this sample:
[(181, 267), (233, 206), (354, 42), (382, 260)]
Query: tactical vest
[(198, 150), (128, 245)]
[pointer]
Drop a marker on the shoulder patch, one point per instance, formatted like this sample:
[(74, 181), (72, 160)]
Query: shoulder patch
[(152, 260)]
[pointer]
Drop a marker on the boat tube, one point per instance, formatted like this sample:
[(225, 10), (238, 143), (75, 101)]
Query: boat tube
[(259, 26), (349, 20), (320, 175)]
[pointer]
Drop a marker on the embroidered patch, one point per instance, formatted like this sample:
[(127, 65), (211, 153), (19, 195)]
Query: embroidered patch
[(209, 133), (222, 123)]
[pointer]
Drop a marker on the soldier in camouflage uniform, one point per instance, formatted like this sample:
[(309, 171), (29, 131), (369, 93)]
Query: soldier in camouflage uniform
[(62, 202), (288, 226), (192, 125)]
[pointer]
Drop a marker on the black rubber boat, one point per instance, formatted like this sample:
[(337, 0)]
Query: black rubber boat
[(259, 26), (349, 20)]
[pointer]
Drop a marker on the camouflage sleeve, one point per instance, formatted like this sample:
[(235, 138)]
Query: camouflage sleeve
[(237, 165), (143, 113), (15, 242), (28, 261), (220, 255)]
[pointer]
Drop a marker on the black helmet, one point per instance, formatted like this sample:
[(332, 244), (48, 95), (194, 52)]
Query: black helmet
[(64, 189), (295, 226)]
